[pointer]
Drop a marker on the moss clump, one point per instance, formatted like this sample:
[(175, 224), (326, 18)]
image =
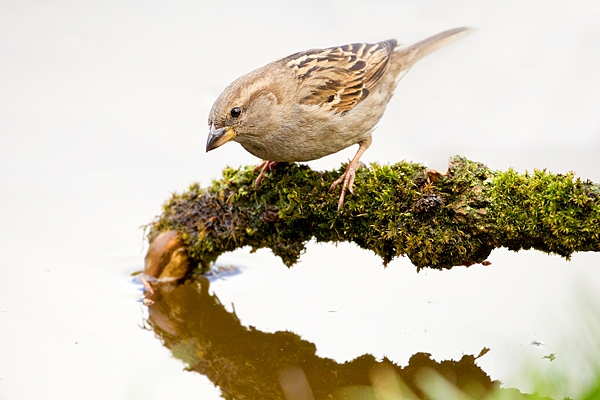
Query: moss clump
[(438, 221)]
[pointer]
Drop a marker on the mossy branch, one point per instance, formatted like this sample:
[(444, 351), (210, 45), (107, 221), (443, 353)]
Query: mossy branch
[(438, 221)]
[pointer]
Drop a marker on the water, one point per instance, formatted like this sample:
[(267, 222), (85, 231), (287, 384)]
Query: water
[(103, 114)]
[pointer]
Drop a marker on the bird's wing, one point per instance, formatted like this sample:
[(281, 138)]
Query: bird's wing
[(338, 78)]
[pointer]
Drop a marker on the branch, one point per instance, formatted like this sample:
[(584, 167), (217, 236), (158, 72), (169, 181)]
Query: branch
[(438, 221)]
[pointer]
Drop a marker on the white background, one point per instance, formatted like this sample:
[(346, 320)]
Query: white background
[(103, 109)]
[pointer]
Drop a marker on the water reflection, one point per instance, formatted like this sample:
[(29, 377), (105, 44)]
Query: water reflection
[(246, 363)]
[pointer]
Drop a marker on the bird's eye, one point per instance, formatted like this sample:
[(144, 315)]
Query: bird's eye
[(235, 112)]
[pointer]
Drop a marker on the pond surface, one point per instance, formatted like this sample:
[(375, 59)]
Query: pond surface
[(103, 115)]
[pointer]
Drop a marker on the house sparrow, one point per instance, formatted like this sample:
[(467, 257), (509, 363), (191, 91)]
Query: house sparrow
[(316, 102)]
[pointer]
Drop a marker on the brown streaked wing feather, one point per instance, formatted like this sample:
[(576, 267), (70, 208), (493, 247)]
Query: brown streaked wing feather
[(338, 78)]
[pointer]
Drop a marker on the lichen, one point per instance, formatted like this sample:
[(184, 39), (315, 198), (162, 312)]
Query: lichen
[(437, 220)]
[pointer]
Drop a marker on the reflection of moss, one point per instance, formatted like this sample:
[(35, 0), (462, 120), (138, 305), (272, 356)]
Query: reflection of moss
[(436, 220), (246, 363)]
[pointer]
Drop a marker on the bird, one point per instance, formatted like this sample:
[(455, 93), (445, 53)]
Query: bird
[(316, 102)]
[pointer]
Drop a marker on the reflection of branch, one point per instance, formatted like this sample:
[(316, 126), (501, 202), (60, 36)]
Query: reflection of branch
[(436, 220), (246, 363)]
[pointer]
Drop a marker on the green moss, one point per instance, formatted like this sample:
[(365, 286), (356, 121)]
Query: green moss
[(438, 221)]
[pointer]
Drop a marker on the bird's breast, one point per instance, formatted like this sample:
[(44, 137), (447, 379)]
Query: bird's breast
[(311, 132)]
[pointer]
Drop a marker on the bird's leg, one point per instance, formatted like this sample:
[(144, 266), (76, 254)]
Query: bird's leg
[(347, 177), (264, 167)]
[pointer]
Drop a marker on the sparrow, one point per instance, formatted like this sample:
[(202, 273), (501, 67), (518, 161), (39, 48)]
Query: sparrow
[(316, 102)]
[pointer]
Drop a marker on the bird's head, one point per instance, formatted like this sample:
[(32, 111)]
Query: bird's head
[(247, 108)]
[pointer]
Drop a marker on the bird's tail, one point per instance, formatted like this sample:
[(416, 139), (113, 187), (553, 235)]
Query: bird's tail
[(407, 56)]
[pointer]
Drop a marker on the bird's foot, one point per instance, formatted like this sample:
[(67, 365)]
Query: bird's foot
[(263, 167), (347, 181)]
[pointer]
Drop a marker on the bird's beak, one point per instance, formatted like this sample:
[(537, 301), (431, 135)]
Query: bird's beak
[(218, 137)]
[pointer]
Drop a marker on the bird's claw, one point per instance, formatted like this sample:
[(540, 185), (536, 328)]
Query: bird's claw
[(347, 180), (263, 167)]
